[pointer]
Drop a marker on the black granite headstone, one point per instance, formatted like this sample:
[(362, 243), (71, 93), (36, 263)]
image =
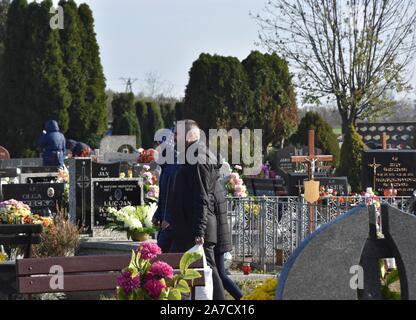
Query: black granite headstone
[(114, 193), (265, 187), (338, 184), (329, 264), (39, 197), (320, 268), (9, 173), (295, 182), (105, 170), (394, 167), (283, 159), (45, 179)]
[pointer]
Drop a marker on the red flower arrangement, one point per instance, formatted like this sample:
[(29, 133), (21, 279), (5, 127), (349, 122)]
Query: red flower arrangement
[(146, 156)]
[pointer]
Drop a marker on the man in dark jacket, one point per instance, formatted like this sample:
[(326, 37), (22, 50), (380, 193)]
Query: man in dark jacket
[(162, 216), (193, 210), (52, 144)]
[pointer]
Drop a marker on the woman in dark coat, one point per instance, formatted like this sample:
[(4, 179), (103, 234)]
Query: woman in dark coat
[(223, 240), (52, 144)]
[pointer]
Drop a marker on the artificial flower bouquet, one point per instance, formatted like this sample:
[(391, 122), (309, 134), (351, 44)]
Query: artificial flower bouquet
[(133, 220), (150, 184), (235, 186), (16, 212), (63, 176), (146, 156), (148, 279)]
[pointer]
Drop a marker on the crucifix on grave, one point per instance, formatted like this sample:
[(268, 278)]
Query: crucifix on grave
[(83, 182), (375, 167), (311, 186)]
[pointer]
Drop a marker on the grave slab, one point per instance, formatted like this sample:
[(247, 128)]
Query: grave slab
[(320, 268)]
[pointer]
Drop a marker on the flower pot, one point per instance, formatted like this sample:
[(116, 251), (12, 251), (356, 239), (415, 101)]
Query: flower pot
[(140, 236)]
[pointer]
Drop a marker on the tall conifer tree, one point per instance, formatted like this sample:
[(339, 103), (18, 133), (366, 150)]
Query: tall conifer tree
[(95, 97), (71, 46), (46, 94), (12, 105)]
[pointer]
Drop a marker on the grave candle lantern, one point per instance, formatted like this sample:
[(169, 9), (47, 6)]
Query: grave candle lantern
[(246, 269)]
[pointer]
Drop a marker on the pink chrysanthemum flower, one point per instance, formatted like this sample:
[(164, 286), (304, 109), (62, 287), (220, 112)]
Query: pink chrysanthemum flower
[(154, 288), (161, 270), (149, 251), (127, 282)]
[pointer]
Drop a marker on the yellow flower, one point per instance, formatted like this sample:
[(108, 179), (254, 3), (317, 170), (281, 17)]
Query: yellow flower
[(265, 291), (3, 257)]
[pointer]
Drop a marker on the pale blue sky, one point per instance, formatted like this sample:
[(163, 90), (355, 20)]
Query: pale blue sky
[(165, 36)]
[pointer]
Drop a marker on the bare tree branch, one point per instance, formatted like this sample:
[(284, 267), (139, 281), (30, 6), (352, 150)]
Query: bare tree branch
[(353, 51)]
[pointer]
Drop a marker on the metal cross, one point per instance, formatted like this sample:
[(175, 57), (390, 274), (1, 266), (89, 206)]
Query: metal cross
[(375, 167), (83, 182)]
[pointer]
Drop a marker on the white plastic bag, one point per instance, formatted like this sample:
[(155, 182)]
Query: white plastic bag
[(206, 292)]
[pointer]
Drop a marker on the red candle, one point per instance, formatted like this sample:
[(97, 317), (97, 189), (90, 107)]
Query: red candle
[(246, 269)]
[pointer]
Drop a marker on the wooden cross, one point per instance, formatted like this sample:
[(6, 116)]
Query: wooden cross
[(384, 141), (375, 167), (311, 159)]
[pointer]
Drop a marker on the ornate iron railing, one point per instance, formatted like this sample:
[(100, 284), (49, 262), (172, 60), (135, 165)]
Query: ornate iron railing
[(266, 230)]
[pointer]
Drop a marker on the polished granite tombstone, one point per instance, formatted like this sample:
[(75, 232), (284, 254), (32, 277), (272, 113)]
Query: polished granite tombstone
[(325, 264)]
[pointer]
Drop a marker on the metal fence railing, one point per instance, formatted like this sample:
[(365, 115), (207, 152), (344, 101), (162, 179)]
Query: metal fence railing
[(266, 230)]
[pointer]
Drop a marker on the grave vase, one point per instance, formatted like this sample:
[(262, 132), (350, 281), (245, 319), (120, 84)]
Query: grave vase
[(140, 236)]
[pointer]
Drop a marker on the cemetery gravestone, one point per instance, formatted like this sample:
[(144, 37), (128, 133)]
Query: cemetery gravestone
[(18, 163), (114, 193), (41, 198), (384, 168), (113, 143), (80, 192), (38, 174), (105, 170), (400, 135), (118, 148), (283, 157), (5, 174), (295, 182), (350, 248), (338, 184), (265, 187), (119, 157)]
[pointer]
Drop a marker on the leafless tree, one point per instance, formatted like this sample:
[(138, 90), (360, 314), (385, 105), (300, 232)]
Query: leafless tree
[(156, 87), (350, 51)]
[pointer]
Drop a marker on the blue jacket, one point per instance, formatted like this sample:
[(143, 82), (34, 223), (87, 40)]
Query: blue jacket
[(166, 181), (53, 145)]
